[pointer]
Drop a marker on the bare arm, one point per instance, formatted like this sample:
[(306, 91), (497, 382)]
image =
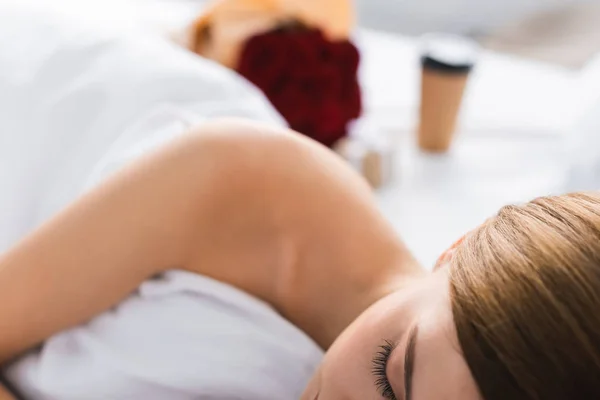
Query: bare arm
[(186, 206), (5, 394)]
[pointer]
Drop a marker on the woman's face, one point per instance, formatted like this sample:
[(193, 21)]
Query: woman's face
[(402, 348)]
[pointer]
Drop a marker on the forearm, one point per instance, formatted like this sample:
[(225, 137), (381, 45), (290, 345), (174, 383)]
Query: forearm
[(89, 257), (5, 394)]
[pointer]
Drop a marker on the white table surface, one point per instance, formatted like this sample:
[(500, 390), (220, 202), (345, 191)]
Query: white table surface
[(510, 145)]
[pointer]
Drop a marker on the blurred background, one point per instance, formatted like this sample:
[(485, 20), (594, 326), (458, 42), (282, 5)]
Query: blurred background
[(530, 120), (561, 31), (529, 124)]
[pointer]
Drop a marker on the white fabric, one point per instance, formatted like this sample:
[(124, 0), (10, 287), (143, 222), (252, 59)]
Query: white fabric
[(75, 105), (68, 93), (180, 337)]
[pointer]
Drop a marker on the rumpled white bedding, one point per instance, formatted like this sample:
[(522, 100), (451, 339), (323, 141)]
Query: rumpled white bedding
[(67, 93), (181, 337), (76, 104)]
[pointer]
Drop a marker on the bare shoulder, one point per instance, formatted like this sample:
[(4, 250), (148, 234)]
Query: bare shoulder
[(261, 145), (277, 165), (276, 188), (302, 219), (291, 219)]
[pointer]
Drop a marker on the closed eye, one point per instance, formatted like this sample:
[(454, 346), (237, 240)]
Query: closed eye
[(380, 364), (379, 370)]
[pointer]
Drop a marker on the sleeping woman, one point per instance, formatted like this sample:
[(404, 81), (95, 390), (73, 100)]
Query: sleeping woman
[(236, 259)]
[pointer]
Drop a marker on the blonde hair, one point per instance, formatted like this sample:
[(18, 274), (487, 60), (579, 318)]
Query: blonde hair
[(525, 292)]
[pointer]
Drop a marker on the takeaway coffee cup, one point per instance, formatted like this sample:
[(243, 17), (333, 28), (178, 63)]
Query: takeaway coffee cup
[(446, 63)]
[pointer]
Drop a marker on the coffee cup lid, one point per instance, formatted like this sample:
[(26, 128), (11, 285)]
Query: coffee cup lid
[(449, 52)]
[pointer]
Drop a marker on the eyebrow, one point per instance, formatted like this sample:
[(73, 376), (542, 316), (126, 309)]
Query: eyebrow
[(409, 362)]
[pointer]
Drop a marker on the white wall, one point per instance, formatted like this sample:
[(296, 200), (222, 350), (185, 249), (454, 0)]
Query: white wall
[(461, 16)]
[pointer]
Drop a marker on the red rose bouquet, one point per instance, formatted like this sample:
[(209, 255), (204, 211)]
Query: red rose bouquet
[(311, 81), (307, 68)]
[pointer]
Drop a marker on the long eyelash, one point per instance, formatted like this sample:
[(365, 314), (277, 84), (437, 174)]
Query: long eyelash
[(379, 367)]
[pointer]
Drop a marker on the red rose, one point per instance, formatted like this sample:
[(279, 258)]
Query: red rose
[(262, 59), (330, 81), (347, 55), (301, 48), (292, 101), (333, 122), (311, 81), (353, 101)]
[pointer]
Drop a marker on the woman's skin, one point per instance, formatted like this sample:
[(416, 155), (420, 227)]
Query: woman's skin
[(436, 370), (262, 209), (5, 395)]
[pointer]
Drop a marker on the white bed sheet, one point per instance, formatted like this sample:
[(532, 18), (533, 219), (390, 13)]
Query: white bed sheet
[(68, 92)]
